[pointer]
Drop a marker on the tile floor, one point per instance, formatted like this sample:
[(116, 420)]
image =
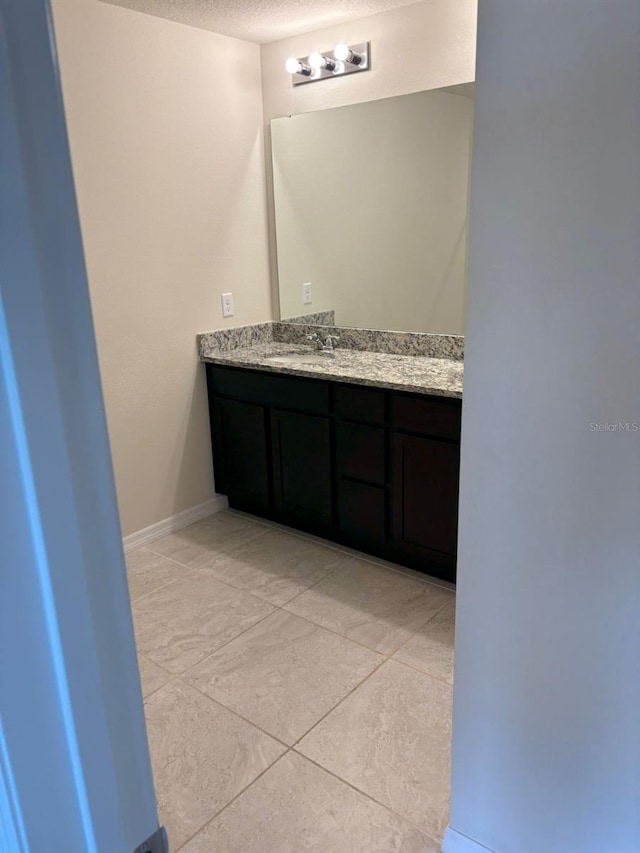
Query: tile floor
[(297, 694)]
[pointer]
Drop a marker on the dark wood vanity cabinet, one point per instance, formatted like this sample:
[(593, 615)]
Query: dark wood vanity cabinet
[(371, 468)]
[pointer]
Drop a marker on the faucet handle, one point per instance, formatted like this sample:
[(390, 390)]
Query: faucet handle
[(315, 337)]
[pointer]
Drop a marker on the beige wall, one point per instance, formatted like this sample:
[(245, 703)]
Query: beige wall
[(371, 207), (166, 133)]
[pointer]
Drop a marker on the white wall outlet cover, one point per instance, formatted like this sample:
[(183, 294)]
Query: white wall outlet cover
[(306, 293), (227, 304)]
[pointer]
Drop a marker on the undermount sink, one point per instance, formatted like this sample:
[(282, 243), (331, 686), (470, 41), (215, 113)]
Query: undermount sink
[(298, 358)]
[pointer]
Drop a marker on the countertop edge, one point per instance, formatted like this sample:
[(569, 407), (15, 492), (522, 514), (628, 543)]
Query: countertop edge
[(227, 359)]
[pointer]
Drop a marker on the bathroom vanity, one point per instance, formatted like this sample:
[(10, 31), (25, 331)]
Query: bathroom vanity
[(361, 448)]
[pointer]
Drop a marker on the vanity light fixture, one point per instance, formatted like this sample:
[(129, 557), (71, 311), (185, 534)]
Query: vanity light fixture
[(344, 59)]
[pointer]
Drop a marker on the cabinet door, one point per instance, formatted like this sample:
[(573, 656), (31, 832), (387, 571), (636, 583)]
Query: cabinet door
[(302, 466), (241, 453), (425, 496)]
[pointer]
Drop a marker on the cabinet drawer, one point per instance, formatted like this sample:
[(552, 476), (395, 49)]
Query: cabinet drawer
[(360, 404), (247, 385), (428, 417), (361, 511), (360, 452), (310, 396), (267, 389)]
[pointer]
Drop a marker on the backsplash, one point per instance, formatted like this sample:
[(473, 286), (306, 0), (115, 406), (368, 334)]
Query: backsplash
[(321, 318), (224, 340), (373, 340), (367, 340)]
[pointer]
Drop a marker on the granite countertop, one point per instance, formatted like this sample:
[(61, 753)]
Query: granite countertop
[(414, 373)]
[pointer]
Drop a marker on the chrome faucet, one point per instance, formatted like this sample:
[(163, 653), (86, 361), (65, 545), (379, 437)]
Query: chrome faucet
[(328, 345)]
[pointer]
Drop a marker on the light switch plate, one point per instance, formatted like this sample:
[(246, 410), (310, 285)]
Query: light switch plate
[(306, 293), (227, 304)]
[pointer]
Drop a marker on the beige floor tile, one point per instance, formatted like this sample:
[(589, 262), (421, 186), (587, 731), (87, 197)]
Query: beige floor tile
[(431, 648), (297, 806), (276, 566), (147, 571), (391, 739), (202, 756), (195, 546), (152, 676), (284, 674), (370, 558), (180, 624), (374, 606)]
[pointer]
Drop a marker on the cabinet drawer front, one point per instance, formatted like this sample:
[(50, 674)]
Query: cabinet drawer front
[(360, 404), (268, 389), (300, 395), (360, 452), (428, 417), (361, 511), (247, 385)]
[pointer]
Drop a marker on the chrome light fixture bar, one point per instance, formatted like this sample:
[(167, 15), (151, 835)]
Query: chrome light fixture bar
[(343, 59)]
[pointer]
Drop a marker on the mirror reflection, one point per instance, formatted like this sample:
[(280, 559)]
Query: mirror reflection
[(371, 205)]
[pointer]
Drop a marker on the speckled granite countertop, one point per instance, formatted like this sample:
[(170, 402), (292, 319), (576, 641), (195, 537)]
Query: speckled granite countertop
[(412, 373)]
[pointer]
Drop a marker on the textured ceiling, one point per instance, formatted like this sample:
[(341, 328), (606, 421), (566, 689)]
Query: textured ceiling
[(261, 21)]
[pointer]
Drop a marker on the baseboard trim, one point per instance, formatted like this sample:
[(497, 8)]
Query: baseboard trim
[(174, 522), (456, 842)]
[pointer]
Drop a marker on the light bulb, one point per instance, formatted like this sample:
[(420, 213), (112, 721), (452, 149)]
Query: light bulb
[(341, 52), (292, 65), (318, 61)]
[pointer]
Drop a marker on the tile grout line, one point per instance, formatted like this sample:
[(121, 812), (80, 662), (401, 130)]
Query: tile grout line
[(237, 714), (138, 598), (226, 643), (422, 672), (338, 703), (232, 800), (363, 793), (153, 692)]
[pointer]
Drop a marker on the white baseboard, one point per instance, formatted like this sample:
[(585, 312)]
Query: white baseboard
[(174, 522), (456, 842)]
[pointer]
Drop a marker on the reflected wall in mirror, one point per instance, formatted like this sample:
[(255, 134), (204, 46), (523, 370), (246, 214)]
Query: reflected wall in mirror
[(371, 205)]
